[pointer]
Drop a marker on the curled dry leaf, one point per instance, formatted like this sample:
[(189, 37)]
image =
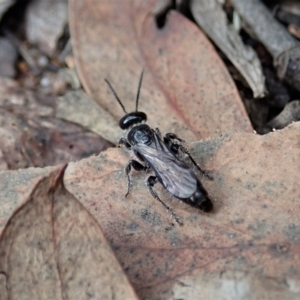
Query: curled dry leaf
[(52, 248), (260, 22), (250, 241), (213, 20), (186, 87)]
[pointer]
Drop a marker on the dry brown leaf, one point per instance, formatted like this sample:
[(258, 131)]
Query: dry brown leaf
[(186, 87), (52, 248), (248, 247)]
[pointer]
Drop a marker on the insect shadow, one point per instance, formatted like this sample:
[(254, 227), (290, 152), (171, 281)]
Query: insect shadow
[(162, 155)]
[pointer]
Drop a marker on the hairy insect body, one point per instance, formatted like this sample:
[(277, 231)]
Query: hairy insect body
[(141, 134), (161, 155)]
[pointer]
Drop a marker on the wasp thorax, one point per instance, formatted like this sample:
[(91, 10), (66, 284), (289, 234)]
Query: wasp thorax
[(140, 134)]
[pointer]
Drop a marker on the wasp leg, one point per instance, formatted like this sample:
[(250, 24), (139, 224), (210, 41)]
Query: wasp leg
[(175, 147), (151, 181), (125, 143), (168, 139), (139, 156), (157, 131), (137, 166)]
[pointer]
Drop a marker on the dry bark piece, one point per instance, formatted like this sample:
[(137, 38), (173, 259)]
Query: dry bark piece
[(78, 107), (213, 20), (186, 87), (281, 45), (52, 248), (45, 23)]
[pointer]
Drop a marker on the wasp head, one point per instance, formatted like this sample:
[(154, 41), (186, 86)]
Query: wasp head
[(134, 118)]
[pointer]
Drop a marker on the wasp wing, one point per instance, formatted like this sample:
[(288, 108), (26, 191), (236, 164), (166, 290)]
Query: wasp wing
[(174, 174)]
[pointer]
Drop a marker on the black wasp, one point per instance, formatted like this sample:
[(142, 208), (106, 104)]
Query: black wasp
[(161, 155)]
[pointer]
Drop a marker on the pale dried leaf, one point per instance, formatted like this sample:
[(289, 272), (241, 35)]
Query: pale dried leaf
[(52, 248), (78, 107)]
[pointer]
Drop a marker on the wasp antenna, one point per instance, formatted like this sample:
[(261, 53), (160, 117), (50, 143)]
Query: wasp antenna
[(115, 94), (138, 92)]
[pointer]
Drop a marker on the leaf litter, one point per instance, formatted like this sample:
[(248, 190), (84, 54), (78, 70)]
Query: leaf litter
[(238, 248), (198, 76)]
